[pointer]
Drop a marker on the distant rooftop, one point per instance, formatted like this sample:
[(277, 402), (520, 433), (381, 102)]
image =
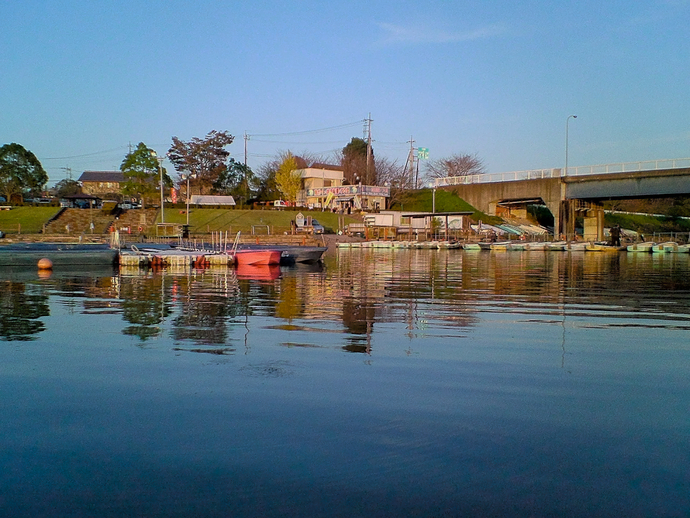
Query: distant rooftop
[(102, 176)]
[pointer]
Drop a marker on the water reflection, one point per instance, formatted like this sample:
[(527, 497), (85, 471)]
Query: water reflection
[(21, 307), (515, 384), (354, 293)]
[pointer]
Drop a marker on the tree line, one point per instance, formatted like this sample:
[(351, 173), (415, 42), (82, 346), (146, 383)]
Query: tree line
[(207, 167)]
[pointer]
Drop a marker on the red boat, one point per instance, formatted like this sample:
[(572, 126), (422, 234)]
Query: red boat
[(257, 256)]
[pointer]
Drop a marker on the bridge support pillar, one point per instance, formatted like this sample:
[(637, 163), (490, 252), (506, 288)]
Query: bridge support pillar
[(594, 223), (566, 220)]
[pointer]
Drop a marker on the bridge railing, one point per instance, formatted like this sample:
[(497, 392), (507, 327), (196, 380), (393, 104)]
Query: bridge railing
[(498, 177), (536, 174)]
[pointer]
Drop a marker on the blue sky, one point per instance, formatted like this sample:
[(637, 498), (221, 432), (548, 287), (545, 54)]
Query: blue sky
[(81, 80)]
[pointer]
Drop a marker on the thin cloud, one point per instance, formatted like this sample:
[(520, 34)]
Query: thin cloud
[(394, 34)]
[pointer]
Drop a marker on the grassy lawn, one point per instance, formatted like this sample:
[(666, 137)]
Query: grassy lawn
[(25, 220), (422, 200)]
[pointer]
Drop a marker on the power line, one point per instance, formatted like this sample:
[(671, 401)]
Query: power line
[(85, 154), (295, 142), (342, 126)]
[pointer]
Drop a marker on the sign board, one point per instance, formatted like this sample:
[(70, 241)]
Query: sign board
[(423, 153)]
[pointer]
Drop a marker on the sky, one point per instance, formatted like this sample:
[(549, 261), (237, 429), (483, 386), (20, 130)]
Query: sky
[(81, 81)]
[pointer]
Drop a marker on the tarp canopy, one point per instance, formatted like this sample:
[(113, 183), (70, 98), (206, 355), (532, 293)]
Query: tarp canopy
[(198, 199)]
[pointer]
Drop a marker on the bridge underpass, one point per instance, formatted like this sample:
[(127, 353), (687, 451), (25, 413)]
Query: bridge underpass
[(579, 194)]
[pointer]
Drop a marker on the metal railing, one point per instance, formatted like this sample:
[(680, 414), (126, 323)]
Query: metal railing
[(539, 174)]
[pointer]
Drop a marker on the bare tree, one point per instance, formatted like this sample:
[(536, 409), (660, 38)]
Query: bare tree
[(204, 159), (455, 165), (393, 175)]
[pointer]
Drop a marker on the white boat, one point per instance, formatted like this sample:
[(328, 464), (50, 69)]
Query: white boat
[(671, 247), (662, 248), (556, 246), (576, 247), (645, 247), (471, 246), (680, 249), (535, 246)]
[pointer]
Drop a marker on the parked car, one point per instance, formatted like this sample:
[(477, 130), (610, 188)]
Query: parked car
[(318, 227), (279, 204)]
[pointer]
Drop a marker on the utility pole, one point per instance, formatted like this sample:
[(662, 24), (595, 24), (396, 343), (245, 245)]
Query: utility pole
[(410, 164), (368, 122), (68, 170), (246, 183)]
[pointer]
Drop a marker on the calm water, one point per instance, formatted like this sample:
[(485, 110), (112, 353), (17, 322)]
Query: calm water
[(385, 383)]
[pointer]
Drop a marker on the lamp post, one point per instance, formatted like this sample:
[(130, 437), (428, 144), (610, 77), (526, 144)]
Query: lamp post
[(160, 170), (565, 173)]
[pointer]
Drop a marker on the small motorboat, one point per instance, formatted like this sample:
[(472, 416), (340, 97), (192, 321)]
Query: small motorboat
[(500, 246), (662, 248), (645, 247), (679, 249), (670, 247), (254, 255), (556, 246), (574, 246), (602, 247)]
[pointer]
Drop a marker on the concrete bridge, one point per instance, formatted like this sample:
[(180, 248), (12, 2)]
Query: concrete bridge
[(580, 192)]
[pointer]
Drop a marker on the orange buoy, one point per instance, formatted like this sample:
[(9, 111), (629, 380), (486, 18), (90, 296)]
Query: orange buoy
[(45, 264)]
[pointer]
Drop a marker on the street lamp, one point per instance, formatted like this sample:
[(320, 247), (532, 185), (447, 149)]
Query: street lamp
[(160, 170), (566, 142)]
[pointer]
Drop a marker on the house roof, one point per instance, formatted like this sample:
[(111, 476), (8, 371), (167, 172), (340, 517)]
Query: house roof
[(329, 167), (102, 176)]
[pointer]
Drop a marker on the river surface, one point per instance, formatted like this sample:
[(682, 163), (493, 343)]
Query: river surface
[(382, 383)]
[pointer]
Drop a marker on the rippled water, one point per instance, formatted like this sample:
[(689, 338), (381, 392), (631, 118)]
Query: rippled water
[(383, 383)]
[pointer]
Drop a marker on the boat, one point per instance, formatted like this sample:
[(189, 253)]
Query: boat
[(539, 246), (679, 249), (645, 247), (246, 255), (662, 248), (291, 254), (59, 254), (257, 257), (575, 246), (670, 247), (449, 245), (602, 247), (556, 246), (500, 246), (471, 246)]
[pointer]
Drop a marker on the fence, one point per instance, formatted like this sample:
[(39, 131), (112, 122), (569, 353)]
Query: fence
[(539, 174)]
